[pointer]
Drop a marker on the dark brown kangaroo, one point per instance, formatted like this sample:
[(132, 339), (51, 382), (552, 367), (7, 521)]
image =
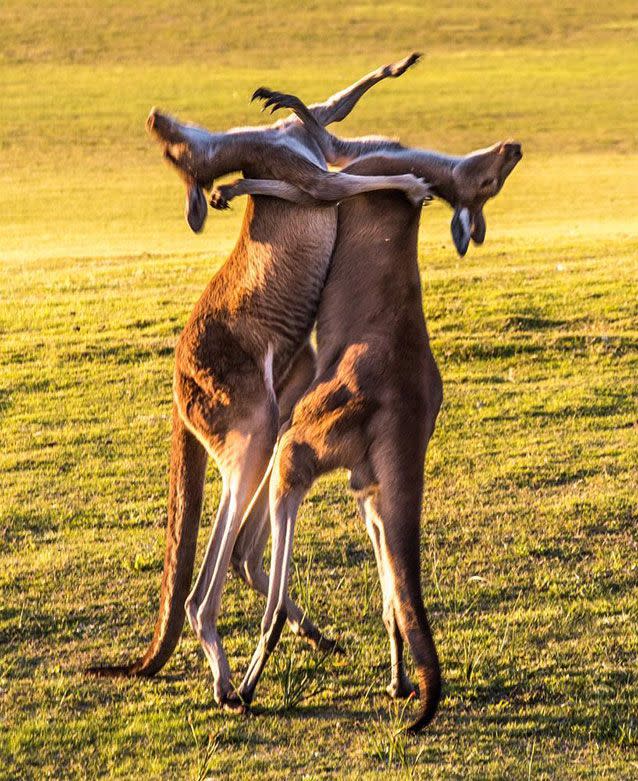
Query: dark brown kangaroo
[(243, 358), (373, 404)]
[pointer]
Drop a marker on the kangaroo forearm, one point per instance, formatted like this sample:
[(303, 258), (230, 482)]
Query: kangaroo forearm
[(433, 167), (330, 186), (326, 188), (344, 151), (338, 106), (337, 186), (335, 150), (271, 187)]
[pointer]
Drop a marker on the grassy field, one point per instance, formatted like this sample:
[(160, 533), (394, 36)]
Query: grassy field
[(530, 538)]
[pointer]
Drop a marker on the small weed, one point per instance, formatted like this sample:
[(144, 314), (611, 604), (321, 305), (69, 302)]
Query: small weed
[(205, 751), (390, 742), (370, 585), (471, 659), (304, 586), (300, 682), (530, 760), (142, 563)]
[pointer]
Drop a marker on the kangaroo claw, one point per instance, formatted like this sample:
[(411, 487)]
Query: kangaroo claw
[(218, 201)]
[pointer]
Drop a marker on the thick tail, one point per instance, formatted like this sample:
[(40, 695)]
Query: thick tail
[(401, 553), (429, 676), (187, 473), (415, 628)]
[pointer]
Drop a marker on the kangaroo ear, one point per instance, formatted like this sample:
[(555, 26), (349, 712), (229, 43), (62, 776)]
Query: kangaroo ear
[(196, 207), (461, 230), (478, 227)]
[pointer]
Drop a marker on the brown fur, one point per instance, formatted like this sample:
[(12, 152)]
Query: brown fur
[(243, 357), (373, 404)]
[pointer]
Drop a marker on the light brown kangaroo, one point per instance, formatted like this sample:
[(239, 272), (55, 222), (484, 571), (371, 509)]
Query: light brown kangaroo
[(243, 358), (373, 404)]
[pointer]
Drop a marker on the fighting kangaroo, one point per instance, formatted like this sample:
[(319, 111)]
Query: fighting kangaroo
[(244, 358), (373, 404)]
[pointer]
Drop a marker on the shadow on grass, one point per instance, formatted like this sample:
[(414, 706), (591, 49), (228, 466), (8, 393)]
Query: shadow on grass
[(482, 351), (591, 410), (119, 353), (531, 322), (542, 477)]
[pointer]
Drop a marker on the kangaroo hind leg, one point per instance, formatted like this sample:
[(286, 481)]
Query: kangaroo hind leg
[(248, 563), (248, 553), (242, 446), (292, 476)]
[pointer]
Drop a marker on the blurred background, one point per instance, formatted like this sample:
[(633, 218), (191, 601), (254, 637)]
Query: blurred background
[(78, 78)]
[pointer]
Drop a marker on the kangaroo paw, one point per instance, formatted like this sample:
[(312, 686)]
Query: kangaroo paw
[(275, 100), (420, 193), (232, 703), (401, 689), (398, 68), (218, 199)]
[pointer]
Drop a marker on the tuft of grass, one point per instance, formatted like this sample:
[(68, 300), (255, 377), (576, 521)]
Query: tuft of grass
[(300, 682), (391, 745), (205, 751), (303, 582), (530, 761)]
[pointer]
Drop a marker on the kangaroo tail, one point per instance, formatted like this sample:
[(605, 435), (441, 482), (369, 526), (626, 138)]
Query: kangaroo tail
[(187, 473), (400, 516)]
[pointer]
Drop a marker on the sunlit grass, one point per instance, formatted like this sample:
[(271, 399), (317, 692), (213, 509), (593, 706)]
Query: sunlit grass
[(529, 522)]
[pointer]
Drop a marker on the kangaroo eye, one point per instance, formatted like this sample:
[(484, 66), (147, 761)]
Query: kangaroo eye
[(486, 183)]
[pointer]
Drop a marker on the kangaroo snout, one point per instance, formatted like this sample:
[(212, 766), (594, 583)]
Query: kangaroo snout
[(513, 149), (163, 127), (156, 122), (150, 119)]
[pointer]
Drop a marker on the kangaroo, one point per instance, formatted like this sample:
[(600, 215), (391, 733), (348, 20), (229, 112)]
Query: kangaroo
[(244, 357), (374, 401)]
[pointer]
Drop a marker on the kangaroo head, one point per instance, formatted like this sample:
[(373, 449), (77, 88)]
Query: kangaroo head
[(478, 177), (191, 151)]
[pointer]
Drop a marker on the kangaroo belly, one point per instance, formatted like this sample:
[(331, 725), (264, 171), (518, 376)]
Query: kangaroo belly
[(266, 295), (289, 271)]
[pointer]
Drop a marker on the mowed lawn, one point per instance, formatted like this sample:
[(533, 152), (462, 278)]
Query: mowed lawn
[(530, 540)]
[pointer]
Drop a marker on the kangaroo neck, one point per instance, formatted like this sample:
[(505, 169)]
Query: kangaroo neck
[(438, 170), (373, 282), (236, 150)]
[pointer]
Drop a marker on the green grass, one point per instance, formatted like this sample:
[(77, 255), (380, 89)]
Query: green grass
[(530, 534)]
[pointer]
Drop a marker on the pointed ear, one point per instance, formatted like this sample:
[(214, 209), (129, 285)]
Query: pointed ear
[(196, 207), (478, 227), (461, 230)]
